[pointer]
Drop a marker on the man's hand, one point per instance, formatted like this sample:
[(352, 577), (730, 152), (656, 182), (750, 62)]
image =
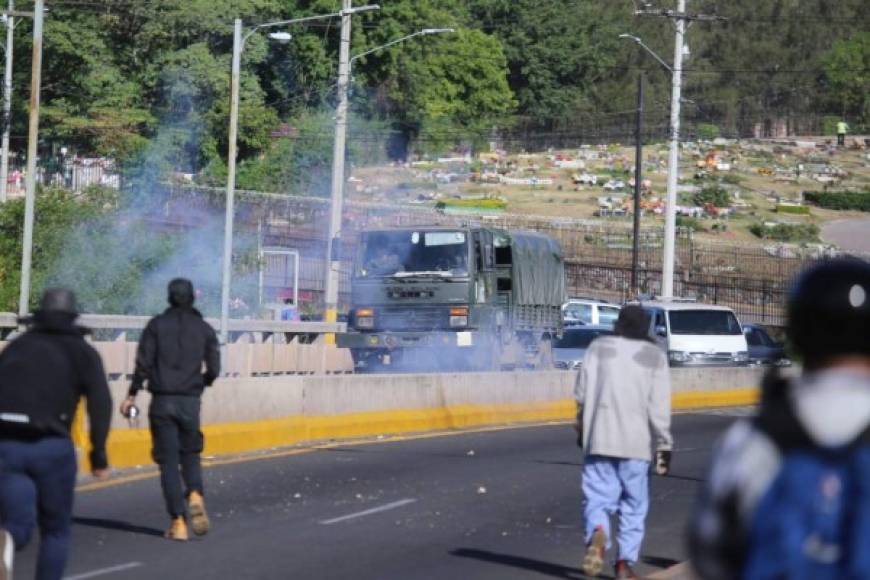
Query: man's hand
[(663, 462), (126, 405), (101, 474)]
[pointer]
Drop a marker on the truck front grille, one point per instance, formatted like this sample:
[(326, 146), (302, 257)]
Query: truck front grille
[(399, 319)]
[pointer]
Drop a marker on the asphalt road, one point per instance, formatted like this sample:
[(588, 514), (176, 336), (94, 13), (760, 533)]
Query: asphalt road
[(499, 505), (852, 235)]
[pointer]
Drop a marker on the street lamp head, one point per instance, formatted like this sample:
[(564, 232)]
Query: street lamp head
[(436, 30), (358, 9), (282, 37), (630, 37)]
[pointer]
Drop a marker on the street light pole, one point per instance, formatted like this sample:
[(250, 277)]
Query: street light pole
[(7, 102), (238, 46), (673, 159), (32, 148)]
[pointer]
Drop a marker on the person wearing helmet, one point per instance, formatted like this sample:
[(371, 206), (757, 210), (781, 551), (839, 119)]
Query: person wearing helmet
[(43, 374), (788, 495), (170, 357)]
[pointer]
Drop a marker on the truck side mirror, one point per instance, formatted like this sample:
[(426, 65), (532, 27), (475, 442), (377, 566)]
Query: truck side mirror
[(661, 331)]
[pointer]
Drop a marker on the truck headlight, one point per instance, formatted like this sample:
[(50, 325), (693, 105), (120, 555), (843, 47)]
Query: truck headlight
[(741, 356), (365, 318), (459, 317), (679, 356)]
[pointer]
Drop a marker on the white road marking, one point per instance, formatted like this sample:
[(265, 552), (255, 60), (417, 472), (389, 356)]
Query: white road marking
[(375, 510), (105, 571)]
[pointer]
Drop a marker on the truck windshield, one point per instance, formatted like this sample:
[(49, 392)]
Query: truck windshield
[(703, 322), (414, 253)]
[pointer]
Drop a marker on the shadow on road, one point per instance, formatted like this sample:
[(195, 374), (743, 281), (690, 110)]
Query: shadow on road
[(659, 562), (117, 526), (545, 568)]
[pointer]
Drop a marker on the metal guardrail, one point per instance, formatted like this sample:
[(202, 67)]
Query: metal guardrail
[(122, 323)]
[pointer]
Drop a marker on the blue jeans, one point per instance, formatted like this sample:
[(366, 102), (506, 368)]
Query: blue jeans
[(612, 485), (37, 483)]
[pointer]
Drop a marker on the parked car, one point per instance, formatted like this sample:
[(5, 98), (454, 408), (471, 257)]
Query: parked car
[(696, 334), (584, 311), (568, 351), (614, 185), (763, 349)]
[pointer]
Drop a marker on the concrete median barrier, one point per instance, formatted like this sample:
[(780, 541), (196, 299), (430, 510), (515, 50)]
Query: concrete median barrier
[(257, 413)]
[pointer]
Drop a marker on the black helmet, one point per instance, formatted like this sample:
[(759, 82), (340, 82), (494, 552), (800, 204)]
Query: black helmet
[(181, 292), (829, 310), (58, 300)]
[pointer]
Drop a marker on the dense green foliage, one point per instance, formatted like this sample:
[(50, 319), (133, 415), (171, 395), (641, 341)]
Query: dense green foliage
[(123, 74), (786, 232), (840, 199), (715, 195)]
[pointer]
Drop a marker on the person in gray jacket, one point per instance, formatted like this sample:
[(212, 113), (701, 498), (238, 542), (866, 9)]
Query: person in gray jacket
[(623, 394)]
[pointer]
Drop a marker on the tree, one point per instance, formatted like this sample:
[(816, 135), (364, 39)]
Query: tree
[(847, 68)]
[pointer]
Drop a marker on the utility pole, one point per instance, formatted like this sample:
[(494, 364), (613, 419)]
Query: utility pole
[(681, 18), (32, 149), (333, 256), (229, 216), (7, 102), (638, 175)]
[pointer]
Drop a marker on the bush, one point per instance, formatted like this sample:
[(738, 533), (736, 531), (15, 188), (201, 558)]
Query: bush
[(732, 179), (715, 195), (707, 131), (786, 232), (792, 209), (842, 200), (690, 223)]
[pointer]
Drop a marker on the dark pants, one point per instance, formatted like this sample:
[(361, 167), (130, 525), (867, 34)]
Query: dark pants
[(37, 482), (176, 440), (841, 139)]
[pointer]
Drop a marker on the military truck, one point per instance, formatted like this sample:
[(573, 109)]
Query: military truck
[(454, 298)]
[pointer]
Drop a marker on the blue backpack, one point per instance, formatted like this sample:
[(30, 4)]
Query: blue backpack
[(813, 522)]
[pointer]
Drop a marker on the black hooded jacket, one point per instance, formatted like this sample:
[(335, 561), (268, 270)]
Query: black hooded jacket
[(43, 374), (172, 350)]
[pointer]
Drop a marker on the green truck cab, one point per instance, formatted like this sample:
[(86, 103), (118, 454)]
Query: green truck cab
[(454, 298)]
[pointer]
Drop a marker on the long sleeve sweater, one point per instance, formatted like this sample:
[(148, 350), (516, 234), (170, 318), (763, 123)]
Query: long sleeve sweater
[(624, 388)]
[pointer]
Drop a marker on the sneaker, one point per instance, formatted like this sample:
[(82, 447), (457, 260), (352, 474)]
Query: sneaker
[(593, 562), (623, 571), (198, 516), (7, 552), (177, 530)]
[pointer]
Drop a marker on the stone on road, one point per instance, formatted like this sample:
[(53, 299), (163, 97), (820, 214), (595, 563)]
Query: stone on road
[(401, 510)]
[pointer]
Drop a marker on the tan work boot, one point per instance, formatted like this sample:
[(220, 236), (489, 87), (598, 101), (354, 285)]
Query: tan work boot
[(198, 516), (7, 553), (177, 530), (593, 562)]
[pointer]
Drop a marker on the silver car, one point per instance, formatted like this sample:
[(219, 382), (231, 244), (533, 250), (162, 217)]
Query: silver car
[(568, 351)]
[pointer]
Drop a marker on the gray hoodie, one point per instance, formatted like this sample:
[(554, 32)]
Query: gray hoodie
[(624, 387)]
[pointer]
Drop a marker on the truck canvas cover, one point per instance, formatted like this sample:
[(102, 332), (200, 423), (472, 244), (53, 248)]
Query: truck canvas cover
[(538, 270)]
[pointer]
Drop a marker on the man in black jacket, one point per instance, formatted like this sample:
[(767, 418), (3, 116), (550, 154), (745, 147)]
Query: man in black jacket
[(170, 357), (43, 374)]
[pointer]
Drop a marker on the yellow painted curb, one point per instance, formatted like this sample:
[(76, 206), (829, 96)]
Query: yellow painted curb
[(132, 447)]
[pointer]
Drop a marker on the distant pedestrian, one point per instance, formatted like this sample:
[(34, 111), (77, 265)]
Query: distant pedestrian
[(623, 394), (842, 129), (170, 357), (43, 374), (789, 492)]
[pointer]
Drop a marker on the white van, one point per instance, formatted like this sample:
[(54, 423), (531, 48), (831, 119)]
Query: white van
[(697, 334)]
